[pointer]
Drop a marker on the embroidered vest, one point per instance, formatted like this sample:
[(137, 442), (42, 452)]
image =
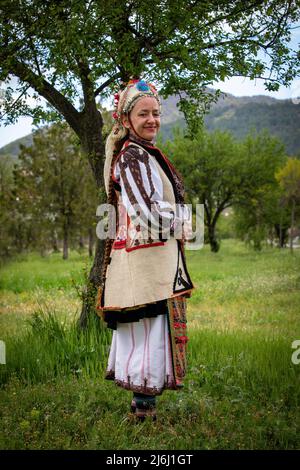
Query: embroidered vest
[(136, 275)]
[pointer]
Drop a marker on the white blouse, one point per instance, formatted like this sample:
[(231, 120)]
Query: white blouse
[(145, 194)]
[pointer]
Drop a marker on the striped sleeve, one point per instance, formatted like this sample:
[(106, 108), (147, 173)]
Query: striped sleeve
[(142, 195)]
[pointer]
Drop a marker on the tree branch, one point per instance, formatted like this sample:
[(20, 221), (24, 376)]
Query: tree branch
[(31, 46), (106, 83), (283, 18), (221, 207), (45, 89), (14, 103), (207, 212), (148, 44), (233, 13), (87, 86)]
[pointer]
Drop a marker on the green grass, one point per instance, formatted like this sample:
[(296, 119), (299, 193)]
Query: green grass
[(241, 390), (238, 288), (31, 272)]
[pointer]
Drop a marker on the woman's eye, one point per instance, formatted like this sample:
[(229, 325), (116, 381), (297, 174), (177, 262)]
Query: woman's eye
[(145, 115)]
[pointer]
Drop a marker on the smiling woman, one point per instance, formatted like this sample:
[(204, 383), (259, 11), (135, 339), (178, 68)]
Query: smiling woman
[(144, 118), (143, 294)]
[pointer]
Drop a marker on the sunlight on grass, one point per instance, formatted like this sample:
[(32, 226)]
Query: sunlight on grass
[(32, 282)]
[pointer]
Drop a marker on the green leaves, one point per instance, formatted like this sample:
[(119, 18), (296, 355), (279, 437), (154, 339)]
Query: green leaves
[(289, 179), (220, 172), (180, 45)]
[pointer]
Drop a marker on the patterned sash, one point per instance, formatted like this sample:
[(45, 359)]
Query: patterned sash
[(178, 334)]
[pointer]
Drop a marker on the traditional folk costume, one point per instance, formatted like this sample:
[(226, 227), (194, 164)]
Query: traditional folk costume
[(146, 281)]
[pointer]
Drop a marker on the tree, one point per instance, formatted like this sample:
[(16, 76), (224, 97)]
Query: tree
[(213, 172), (289, 180), (6, 202), (55, 187), (62, 50), (263, 217), (258, 208), (220, 172)]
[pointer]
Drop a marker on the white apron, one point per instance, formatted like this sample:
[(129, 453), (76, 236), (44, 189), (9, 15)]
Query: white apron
[(140, 356)]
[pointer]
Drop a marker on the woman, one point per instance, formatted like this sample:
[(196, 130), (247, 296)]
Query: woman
[(145, 279)]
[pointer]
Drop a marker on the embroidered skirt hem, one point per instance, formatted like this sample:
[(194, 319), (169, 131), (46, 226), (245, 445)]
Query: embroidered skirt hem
[(142, 388), (149, 355)]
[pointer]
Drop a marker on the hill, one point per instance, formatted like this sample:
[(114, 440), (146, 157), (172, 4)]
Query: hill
[(13, 148), (239, 115)]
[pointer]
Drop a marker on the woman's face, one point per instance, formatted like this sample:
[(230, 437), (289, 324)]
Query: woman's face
[(144, 118)]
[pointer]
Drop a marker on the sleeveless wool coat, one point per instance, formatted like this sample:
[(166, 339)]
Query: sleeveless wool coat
[(143, 270)]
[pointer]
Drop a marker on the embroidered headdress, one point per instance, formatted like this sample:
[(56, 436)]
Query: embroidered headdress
[(124, 101)]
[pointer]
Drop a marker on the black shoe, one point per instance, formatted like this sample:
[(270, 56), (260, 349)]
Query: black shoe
[(142, 413), (133, 406), (143, 406)]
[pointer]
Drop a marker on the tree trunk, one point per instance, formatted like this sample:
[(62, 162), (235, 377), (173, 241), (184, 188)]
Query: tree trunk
[(91, 242), (81, 243), (271, 237), (292, 225), (55, 243), (42, 250), (90, 291), (257, 238), (281, 233), (65, 242), (93, 146), (280, 236), (214, 244)]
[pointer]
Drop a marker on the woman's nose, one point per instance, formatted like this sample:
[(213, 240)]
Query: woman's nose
[(151, 118)]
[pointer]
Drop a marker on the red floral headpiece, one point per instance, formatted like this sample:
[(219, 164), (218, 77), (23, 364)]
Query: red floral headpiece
[(141, 88)]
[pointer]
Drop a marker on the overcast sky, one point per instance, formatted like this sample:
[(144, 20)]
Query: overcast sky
[(237, 86)]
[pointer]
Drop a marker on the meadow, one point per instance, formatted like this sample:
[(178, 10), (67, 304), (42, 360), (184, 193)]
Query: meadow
[(241, 391)]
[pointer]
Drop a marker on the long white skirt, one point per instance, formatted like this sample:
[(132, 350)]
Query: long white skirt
[(140, 356)]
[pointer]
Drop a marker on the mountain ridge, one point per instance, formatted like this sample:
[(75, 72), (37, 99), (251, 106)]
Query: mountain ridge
[(237, 114), (242, 114)]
